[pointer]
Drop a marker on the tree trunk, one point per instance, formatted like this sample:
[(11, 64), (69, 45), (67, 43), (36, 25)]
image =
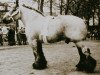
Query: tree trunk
[(38, 2), (50, 7), (87, 21), (99, 16), (41, 5), (93, 19), (67, 7), (61, 6), (17, 24)]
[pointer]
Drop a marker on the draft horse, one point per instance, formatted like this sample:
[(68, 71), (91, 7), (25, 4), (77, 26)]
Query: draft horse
[(40, 28)]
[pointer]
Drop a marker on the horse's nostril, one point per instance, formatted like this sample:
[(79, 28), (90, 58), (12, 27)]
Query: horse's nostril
[(6, 21)]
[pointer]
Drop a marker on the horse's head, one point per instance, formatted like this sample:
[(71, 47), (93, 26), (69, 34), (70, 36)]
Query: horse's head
[(12, 15)]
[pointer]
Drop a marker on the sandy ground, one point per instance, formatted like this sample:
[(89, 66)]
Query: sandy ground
[(61, 58)]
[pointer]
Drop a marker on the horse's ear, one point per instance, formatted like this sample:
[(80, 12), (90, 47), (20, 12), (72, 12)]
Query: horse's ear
[(16, 15)]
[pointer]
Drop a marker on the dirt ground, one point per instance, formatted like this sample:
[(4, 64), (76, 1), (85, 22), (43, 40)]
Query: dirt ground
[(61, 58)]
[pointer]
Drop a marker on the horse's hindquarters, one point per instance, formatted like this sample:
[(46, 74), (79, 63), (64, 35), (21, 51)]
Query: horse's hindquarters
[(75, 35), (75, 28)]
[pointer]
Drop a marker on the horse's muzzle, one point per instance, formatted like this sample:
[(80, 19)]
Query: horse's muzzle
[(7, 21)]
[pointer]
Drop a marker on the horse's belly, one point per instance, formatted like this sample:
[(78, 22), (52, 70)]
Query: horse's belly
[(54, 33)]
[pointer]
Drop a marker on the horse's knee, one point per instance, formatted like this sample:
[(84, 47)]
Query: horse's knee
[(40, 61), (32, 43)]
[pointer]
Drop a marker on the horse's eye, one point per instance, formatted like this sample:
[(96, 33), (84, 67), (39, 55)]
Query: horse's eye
[(14, 10), (9, 16)]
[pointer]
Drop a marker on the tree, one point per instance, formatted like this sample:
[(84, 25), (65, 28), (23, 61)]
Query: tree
[(38, 4), (50, 7), (17, 23), (61, 6), (99, 15), (67, 6), (84, 8), (41, 5)]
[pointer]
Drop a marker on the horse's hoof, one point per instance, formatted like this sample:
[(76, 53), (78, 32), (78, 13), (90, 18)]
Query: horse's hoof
[(39, 66)]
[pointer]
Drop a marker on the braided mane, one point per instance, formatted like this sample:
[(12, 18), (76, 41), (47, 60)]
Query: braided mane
[(33, 9)]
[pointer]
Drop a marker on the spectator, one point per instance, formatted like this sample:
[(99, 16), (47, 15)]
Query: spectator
[(98, 35), (5, 32), (23, 36), (95, 34), (1, 39), (19, 37), (11, 36)]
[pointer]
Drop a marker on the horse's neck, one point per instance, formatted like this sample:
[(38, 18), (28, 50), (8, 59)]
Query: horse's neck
[(29, 16)]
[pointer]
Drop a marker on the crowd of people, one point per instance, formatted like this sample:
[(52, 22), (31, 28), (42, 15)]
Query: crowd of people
[(21, 37), (12, 37), (94, 35)]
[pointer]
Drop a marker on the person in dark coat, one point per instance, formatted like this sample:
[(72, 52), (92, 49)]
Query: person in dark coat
[(86, 63), (1, 39), (11, 36), (23, 36)]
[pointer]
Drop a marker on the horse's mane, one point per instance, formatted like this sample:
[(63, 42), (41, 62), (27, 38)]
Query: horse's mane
[(33, 9)]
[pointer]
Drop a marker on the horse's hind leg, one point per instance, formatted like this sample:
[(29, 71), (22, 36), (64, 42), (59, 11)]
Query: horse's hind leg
[(80, 65), (80, 47), (40, 61)]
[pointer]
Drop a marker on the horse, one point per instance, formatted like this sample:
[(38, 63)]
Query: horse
[(47, 29)]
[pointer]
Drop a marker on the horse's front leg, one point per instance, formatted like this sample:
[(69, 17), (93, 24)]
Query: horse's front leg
[(40, 61)]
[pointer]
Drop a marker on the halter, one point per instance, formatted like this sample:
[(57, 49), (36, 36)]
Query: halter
[(11, 15)]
